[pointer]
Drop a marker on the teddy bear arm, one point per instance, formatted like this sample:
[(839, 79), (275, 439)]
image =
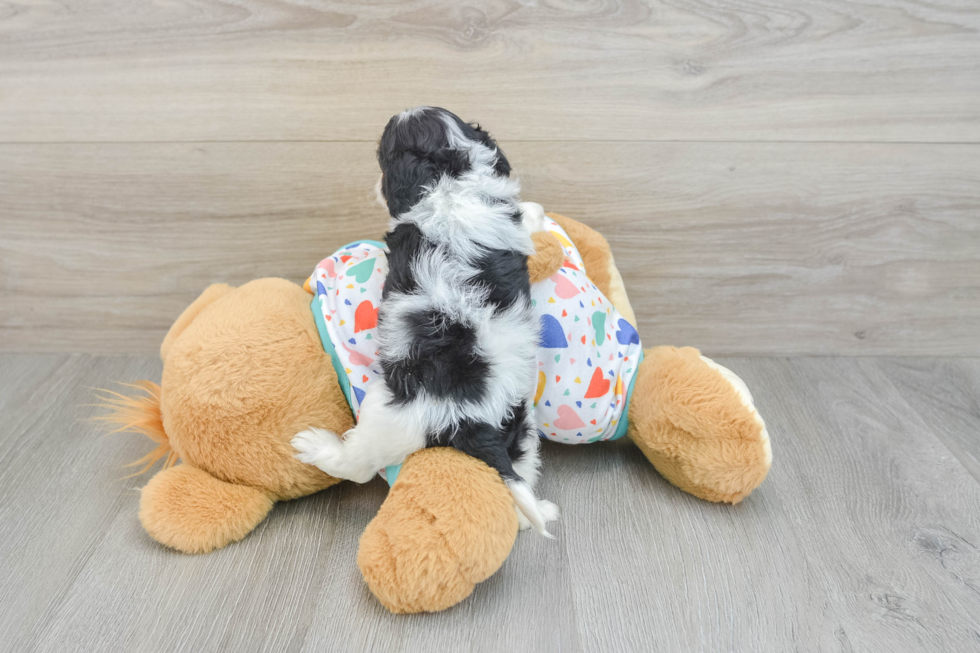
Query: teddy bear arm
[(599, 263), (448, 523), (547, 258), (697, 425), (187, 509)]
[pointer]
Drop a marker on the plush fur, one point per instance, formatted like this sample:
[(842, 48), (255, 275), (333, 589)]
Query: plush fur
[(447, 522), (547, 259), (252, 362), (456, 334), (243, 366), (697, 432), (139, 413), (192, 511)]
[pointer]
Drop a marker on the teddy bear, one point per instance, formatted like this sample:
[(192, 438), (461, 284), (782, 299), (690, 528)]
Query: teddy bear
[(245, 369)]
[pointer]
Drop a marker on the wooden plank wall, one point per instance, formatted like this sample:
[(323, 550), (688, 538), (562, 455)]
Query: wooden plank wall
[(775, 178)]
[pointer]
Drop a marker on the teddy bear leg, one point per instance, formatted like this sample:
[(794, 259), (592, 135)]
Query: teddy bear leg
[(695, 421), (447, 524), (186, 508)]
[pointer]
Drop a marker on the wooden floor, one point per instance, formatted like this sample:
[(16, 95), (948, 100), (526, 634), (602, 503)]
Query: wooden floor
[(865, 536)]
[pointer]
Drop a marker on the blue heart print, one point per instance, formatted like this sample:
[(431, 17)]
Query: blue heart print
[(552, 335), (627, 335), (358, 393)]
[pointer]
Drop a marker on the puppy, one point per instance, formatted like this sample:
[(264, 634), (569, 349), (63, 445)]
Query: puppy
[(457, 338)]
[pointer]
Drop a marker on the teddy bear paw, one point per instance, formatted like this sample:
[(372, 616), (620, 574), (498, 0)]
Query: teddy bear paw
[(742, 390)]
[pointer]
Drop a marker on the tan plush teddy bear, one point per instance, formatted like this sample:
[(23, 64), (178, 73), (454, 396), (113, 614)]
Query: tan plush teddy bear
[(247, 368)]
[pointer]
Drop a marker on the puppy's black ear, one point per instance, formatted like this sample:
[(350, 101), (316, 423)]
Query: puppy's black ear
[(413, 154), (502, 167), (408, 175)]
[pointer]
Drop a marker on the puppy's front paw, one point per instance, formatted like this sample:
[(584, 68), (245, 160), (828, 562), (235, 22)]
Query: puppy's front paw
[(325, 450), (321, 448)]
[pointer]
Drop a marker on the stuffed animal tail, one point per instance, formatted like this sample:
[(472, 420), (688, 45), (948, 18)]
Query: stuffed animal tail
[(139, 413)]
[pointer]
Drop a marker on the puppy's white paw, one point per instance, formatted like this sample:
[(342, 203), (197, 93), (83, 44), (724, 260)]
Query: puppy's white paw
[(532, 216), (523, 522), (321, 448), (549, 511)]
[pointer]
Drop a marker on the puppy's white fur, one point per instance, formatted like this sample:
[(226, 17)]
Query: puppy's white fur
[(455, 214), (381, 438)]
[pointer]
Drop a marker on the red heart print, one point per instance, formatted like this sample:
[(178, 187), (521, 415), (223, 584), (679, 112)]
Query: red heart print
[(365, 317), (598, 385)]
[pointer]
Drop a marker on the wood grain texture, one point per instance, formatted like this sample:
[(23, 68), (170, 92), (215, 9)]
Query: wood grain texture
[(736, 248), (946, 393), (867, 70), (864, 537)]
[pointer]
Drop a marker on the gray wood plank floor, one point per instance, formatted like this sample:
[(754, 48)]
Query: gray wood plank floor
[(863, 538)]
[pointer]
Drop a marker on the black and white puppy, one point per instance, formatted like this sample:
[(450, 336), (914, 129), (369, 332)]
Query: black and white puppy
[(457, 338)]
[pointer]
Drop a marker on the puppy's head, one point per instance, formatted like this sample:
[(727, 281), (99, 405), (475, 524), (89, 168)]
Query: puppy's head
[(421, 145)]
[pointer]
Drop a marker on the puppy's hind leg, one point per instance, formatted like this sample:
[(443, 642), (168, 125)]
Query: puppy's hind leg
[(536, 511), (526, 459), (385, 435), (489, 444)]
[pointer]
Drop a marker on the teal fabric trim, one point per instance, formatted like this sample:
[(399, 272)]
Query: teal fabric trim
[(624, 420), (376, 243), (321, 328), (391, 473)]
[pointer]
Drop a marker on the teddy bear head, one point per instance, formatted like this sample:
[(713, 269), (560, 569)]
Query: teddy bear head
[(240, 378)]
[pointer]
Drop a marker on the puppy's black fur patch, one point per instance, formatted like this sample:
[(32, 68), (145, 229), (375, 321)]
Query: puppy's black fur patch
[(414, 152), (504, 274), (483, 441), (405, 244), (444, 361)]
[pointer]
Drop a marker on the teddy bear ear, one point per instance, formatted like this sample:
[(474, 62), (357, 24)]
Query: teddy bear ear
[(210, 295)]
